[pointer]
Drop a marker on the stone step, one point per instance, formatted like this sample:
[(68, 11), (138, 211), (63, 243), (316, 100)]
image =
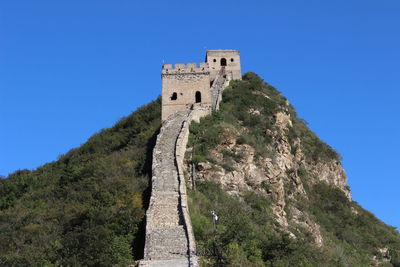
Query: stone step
[(164, 213), (181, 262), (168, 220), (166, 184), (166, 196), (166, 243)]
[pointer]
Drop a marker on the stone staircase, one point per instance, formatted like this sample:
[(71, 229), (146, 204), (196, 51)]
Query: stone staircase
[(222, 79), (169, 236)]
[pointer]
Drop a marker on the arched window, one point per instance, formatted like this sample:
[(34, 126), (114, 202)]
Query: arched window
[(174, 96), (223, 61), (198, 97), (214, 60), (232, 60)]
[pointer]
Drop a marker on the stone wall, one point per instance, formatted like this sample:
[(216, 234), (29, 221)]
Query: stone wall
[(185, 68), (169, 235), (181, 83), (220, 83), (179, 157)]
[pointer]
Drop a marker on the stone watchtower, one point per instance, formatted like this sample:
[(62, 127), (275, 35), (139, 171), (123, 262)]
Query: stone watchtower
[(230, 59), (187, 85)]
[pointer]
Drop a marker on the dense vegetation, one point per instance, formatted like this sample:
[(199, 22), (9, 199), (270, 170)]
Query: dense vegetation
[(87, 208), (246, 233)]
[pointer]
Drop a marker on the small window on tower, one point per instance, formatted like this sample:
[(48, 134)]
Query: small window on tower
[(232, 60), (198, 97), (174, 96), (214, 60)]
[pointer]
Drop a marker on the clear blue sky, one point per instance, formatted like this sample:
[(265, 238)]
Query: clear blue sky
[(70, 68)]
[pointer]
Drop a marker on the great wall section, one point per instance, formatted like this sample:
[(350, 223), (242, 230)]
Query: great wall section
[(169, 235), (169, 239)]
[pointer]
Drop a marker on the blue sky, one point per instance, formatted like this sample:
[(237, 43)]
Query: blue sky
[(70, 68)]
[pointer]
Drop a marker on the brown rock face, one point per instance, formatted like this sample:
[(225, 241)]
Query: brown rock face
[(279, 174)]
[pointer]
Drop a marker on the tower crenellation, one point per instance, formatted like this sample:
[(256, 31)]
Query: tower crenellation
[(185, 68)]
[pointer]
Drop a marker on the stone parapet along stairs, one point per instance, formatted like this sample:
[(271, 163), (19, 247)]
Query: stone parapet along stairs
[(222, 79), (169, 234)]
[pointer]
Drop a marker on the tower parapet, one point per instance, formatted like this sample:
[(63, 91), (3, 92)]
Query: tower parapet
[(178, 68)]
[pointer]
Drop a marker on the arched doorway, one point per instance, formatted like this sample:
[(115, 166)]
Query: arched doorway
[(198, 97), (223, 61)]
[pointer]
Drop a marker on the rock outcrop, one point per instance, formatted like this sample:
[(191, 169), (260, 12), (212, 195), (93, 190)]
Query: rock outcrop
[(278, 175)]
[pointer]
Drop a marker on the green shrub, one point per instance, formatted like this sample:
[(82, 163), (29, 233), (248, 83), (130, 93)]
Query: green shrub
[(196, 159)]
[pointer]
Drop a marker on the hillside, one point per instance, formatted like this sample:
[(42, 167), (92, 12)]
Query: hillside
[(87, 208), (279, 191)]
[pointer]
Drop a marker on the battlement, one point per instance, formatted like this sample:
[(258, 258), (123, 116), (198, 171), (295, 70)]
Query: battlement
[(222, 51), (179, 68)]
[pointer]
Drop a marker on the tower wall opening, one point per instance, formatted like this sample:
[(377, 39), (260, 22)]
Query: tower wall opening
[(223, 62), (198, 97)]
